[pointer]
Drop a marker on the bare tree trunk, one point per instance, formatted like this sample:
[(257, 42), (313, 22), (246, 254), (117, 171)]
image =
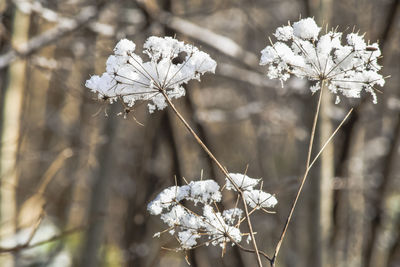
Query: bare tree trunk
[(101, 175), (13, 100), (98, 202), (77, 104), (386, 209), (355, 204)]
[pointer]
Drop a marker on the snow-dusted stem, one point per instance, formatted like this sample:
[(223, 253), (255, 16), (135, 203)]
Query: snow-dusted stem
[(310, 145), (224, 171)]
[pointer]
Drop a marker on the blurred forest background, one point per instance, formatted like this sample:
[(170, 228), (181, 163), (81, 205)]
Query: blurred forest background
[(76, 178)]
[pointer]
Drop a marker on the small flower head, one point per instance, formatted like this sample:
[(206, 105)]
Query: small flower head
[(255, 198), (200, 221), (129, 78), (346, 69), (258, 199), (188, 226), (242, 181)]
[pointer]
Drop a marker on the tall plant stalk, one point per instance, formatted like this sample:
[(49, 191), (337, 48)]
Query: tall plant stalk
[(223, 170), (309, 165)]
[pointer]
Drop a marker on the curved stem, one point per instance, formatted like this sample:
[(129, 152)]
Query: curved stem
[(219, 165)]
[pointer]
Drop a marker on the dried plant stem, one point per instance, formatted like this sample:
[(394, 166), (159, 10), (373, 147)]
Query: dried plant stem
[(308, 168), (252, 251), (330, 138), (310, 145), (219, 165)]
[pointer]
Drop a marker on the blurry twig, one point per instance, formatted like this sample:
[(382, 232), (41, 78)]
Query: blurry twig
[(243, 75), (29, 7), (53, 168), (31, 235), (35, 227), (28, 211), (63, 28), (217, 41), (241, 113), (51, 239)]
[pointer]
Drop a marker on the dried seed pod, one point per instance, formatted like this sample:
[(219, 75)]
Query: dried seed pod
[(371, 48)]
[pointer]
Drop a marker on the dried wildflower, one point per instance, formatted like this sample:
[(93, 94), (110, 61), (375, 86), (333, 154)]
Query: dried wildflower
[(242, 181), (346, 69), (255, 198), (188, 226), (129, 78), (258, 199), (207, 225)]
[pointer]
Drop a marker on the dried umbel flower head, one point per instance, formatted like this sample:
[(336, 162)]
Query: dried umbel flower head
[(255, 198), (189, 226), (346, 69), (129, 78), (208, 225)]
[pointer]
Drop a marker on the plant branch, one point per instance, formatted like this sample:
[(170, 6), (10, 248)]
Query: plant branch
[(219, 165), (310, 165), (66, 26), (310, 145), (330, 138), (39, 243), (253, 251), (221, 43)]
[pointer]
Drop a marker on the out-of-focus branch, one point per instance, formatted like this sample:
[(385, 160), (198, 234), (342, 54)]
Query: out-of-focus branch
[(51, 239), (240, 113), (219, 42), (29, 7), (243, 75), (223, 44), (63, 28)]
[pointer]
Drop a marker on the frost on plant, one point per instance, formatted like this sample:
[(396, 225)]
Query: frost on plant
[(255, 198), (200, 221), (129, 78), (346, 69)]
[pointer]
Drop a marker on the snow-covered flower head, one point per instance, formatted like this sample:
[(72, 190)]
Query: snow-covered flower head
[(255, 198), (242, 181), (129, 78), (188, 226), (200, 221), (346, 69)]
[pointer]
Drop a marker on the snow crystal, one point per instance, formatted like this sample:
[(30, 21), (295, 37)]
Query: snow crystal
[(204, 191), (242, 181), (124, 47), (284, 33), (231, 215), (306, 29), (188, 238), (260, 199), (356, 41), (167, 198)]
